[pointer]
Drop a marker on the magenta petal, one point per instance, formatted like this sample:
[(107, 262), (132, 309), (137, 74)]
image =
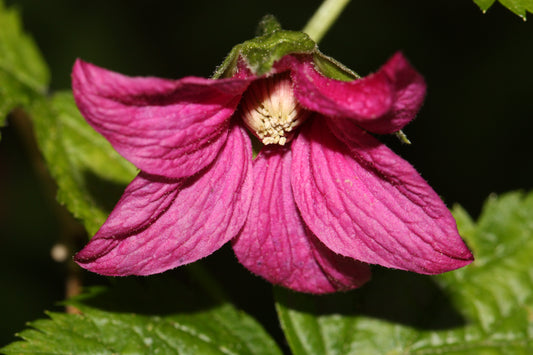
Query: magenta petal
[(383, 102), (410, 91), (367, 203), (276, 245), (172, 128), (159, 225)]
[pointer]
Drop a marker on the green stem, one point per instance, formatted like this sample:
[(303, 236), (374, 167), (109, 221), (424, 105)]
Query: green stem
[(323, 18)]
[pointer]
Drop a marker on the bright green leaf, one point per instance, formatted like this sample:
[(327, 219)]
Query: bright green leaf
[(484, 4), (519, 7), (485, 308), (89, 173), (23, 72), (171, 317)]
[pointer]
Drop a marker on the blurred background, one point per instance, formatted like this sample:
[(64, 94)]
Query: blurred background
[(471, 138)]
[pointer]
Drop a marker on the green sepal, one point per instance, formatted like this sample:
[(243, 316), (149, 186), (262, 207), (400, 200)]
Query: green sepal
[(402, 137), (260, 53), (332, 68), (273, 43), (228, 66), (268, 24)]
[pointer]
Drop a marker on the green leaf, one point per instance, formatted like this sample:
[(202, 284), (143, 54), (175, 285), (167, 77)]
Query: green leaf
[(89, 173), (172, 317), (484, 4), (485, 308), (23, 72), (519, 7)]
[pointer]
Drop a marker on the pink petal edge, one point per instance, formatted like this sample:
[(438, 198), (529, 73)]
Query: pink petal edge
[(410, 91), (275, 244), (159, 225), (172, 128), (383, 102), (369, 204)]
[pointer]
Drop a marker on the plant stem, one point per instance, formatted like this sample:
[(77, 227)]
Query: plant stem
[(323, 18)]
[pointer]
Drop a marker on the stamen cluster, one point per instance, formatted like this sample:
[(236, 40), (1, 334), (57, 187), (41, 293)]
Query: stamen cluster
[(270, 110)]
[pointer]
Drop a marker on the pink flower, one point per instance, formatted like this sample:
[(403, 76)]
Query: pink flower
[(321, 201)]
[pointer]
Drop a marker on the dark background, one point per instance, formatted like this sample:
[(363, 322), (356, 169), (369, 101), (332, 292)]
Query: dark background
[(471, 138)]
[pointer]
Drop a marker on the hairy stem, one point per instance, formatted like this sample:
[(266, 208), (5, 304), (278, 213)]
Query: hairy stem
[(323, 18)]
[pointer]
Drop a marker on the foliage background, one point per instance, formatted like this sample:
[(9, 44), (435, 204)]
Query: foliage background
[(472, 137)]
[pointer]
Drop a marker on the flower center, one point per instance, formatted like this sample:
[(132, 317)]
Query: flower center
[(270, 110)]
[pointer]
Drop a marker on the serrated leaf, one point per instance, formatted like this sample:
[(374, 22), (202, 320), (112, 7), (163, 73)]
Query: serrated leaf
[(519, 7), (484, 4), (172, 318), (89, 173), (23, 72), (485, 308)]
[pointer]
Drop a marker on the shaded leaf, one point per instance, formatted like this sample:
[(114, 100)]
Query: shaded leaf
[(484, 4), (173, 317), (23, 72), (519, 7), (89, 173), (484, 308)]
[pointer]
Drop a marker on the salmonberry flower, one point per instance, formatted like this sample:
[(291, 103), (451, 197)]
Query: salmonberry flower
[(322, 199)]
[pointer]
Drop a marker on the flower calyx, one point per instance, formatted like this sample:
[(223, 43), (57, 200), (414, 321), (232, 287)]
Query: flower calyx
[(273, 43)]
